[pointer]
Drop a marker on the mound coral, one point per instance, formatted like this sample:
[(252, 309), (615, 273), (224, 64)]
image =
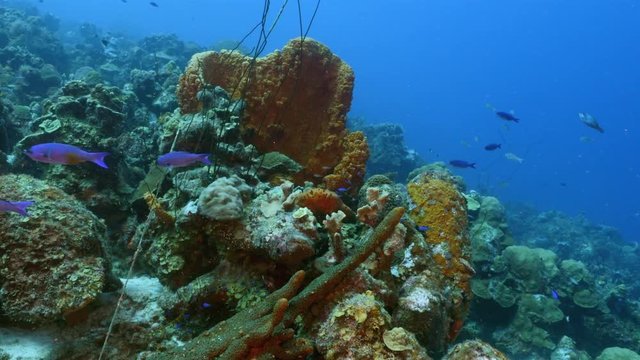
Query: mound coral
[(474, 350), (296, 101), (223, 199), (52, 264), (535, 267)]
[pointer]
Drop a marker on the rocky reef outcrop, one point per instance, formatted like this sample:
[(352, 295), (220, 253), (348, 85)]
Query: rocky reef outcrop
[(53, 263), (543, 293)]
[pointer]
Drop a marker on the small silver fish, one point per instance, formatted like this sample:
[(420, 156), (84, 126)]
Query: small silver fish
[(514, 157)]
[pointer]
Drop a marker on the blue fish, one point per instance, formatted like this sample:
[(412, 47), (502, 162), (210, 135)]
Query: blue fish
[(590, 121), (19, 207), (491, 147), (462, 164), (554, 294), (507, 116), (206, 305), (341, 190), (182, 158), (422, 228)]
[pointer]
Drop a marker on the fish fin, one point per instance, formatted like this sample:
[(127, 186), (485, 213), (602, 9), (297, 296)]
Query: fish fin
[(472, 165), (21, 207), (204, 158), (98, 159)]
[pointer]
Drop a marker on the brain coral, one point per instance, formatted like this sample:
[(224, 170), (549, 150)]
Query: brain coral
[(222, 199), (296, 103), (51, 263)]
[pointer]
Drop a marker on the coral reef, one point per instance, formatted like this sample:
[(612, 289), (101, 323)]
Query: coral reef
[(540, 295), (474, 350), (442, 211), (357, 328), (94, 118), (321, 201), (618, 353), (377, 196), (283, 113), (389, 154), (423, 308), (53, 263), (265, 329), (286, 238), (276, 249), (349, 172), (566, 349), (31, 54), (223, 199)]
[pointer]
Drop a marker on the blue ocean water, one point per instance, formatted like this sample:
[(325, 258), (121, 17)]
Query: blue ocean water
[(435, 66)]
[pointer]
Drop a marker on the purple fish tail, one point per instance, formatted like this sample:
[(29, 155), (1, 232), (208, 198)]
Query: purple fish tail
[(204, 158), (21, 207), (98, 159)]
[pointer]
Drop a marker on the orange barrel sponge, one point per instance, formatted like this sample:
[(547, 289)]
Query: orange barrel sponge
[(296, 102)]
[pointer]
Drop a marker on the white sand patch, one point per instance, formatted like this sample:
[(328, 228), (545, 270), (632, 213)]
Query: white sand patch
[(22, 344), (145, 291)]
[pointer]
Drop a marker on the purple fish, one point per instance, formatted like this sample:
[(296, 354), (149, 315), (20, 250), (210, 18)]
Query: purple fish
[(54, 153), (19, 207), (182, 159), (422, 228), (554, 294), (462, 164), (206, 305)]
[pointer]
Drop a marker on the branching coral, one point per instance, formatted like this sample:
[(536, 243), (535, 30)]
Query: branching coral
[(154, 205), (376, 201), (333, 225)]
